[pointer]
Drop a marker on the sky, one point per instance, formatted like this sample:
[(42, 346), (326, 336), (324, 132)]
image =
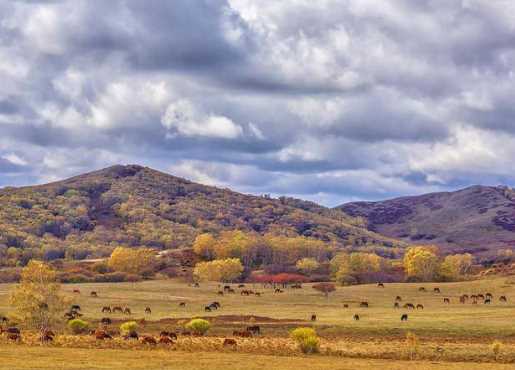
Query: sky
[(328, 100)]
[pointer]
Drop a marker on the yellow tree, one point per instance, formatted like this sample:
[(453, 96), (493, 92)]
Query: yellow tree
[(421, 262), (37, 300), (204, 246), (456, 265), (222, 270), (130, 260), (307, 265)]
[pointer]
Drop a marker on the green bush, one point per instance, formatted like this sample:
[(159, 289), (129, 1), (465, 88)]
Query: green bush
[(307, 339), (78, 326), (198, 326), (128, 327)]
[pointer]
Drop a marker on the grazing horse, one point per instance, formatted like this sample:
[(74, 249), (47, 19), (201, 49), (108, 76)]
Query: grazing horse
[(420, 307), (410, 306), (148, 311), (404, 317), (182, 304), (436, 290), (147, 339), (76, 291), (363, 304), (503, 299), (345, 305), (229, 342), (446, 300), (380, 285), (277, 290), (313, 317), (93, 294), (356, 317), (106, 321), (254, 329)]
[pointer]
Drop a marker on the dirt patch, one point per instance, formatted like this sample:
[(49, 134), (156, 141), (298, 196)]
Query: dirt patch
[(236, 319)]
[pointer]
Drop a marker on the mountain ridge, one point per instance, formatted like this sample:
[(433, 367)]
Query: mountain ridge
[(478, 219)]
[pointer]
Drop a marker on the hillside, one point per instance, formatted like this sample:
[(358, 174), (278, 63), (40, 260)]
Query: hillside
[(478, 219), (138, 206)]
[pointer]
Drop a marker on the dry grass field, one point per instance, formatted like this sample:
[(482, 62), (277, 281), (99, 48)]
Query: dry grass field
[(446, 332)]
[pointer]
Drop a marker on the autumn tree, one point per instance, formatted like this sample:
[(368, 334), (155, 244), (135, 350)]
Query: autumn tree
[(37, 300), (204, 246), (421, 262), (307, 265), (222, 270), (134, 261), (325, 288), (456, 265)]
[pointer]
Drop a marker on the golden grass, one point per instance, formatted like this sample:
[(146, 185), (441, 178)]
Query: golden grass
[(44, 358), (454, 332)]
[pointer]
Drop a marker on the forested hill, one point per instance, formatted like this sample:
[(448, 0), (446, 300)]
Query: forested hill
[(137, 206), (478, 219)]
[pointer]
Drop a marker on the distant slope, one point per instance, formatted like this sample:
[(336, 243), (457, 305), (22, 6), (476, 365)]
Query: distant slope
[(138, 206), (480, 219)]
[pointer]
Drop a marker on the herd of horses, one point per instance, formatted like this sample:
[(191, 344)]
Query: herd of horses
[(166, 337)]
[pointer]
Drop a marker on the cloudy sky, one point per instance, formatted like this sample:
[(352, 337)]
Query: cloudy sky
[(327, 100)]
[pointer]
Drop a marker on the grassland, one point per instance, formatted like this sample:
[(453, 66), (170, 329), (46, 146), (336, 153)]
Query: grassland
[(41, 358), (455, 332)]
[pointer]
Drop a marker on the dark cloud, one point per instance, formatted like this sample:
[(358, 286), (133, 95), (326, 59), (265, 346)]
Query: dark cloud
[(331, 101)]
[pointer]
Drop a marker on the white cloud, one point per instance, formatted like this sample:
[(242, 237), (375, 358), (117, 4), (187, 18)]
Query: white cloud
[(182, 118)]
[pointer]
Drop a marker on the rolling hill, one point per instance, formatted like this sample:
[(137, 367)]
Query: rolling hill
[(478, 219), (137, 206)]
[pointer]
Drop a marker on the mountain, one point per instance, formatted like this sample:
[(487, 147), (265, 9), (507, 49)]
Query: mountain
[(138, 206), (478, 219)]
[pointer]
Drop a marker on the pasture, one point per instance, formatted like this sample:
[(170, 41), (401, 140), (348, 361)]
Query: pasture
[(447, 332)]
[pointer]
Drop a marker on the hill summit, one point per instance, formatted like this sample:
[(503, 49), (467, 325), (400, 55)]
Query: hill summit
[(138, 206)]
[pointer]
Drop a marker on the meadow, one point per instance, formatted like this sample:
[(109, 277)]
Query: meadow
[(445, 332)]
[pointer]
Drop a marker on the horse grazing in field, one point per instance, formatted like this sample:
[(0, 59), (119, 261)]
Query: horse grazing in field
[(409, 306), (380, 285), (229, 342), (148, 311), (363, 304), (436, 290), (147, 339), (503, 299), (93, 294), (254, 329), (420, 306), (356, 317), (182, 304), (446, 300), (313, 317), (404, 317)]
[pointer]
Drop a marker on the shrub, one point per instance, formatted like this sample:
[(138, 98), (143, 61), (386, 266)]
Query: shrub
[(346, 279), (198, 326), (310, 345), (78, 326), (496, 347), (411, 345), (307, 339), (128, 327)]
